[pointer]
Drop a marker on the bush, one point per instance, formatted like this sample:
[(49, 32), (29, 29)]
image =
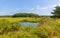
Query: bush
[(6, 26), (25, 15), (47, 21), (15, 26)]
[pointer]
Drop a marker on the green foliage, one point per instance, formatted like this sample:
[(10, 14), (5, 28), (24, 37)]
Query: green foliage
[(47, 21), (56, 11), (47, 28), (6, 26), (15, 26), (27, 28), (39, 32), (25, 15)]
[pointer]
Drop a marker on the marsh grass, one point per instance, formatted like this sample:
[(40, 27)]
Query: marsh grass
[(47, 28)]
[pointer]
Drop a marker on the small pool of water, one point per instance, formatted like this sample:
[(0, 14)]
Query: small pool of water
[(29, 23)]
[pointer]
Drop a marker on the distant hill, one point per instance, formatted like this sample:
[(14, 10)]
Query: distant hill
[(25, 15)]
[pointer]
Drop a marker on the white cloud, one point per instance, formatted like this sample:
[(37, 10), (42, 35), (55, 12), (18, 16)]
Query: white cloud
[(32, 9), (44, 8), (4, 13), (58, 4), (9, 12), (38, 7), (47, 7)]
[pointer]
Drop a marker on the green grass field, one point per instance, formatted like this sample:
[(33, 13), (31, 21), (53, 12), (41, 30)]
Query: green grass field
[(47, 28), (21, 19)]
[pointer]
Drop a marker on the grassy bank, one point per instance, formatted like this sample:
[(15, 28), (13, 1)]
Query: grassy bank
[(10, 19), (47, 28)]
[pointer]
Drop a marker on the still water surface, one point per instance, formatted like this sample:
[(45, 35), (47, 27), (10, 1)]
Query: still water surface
[(29, 23)]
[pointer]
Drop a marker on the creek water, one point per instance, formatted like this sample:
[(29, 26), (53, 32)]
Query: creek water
[(29, 23)]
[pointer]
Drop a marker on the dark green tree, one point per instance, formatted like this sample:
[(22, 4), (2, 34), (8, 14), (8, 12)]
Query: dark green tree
[(25, 15), (56, 11)]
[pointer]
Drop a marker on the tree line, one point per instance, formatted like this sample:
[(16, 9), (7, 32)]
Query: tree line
[(25, 15), (22, 15)]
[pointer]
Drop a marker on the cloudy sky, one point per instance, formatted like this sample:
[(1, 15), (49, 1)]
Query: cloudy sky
[(41, 7)]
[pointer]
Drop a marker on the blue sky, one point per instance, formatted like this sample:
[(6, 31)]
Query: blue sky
[(41, 7)]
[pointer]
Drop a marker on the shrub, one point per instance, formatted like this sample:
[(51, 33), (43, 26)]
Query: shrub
[(6, 26), (15, 26)]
